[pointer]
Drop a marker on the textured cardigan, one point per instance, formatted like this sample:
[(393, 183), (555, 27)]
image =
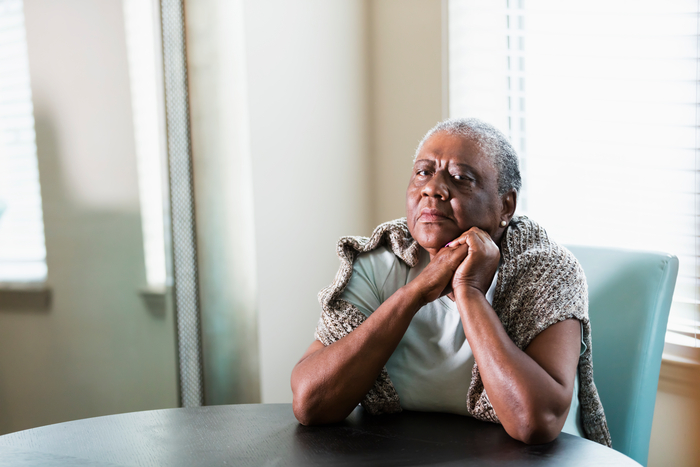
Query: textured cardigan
[(539, 284)]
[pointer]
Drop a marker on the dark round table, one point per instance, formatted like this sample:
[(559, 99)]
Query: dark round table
[(269, 435)]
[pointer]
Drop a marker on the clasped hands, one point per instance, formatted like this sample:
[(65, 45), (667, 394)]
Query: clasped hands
[(467, 263)]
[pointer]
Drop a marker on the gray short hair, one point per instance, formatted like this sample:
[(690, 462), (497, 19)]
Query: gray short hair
[(492, 142)]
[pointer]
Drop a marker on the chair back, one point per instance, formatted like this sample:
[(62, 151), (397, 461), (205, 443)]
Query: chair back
[(630, 296)]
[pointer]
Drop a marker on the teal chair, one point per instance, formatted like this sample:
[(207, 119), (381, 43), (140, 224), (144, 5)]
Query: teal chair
[(629, 299)]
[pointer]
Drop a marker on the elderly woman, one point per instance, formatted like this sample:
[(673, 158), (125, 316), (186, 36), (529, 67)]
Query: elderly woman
[(460, 307)]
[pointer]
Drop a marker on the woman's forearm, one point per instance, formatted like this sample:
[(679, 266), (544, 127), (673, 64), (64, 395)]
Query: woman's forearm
[(329, 382), (530, 402)]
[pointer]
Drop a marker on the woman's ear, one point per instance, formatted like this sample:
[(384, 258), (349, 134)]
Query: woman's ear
[(509, 201)]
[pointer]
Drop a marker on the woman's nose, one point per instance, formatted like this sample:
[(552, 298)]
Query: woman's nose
[(436, 187)]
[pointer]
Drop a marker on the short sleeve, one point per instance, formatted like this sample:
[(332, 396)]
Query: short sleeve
[(544, 286), (370, 272)]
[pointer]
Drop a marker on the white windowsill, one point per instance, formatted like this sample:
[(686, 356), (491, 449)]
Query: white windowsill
[(681, 353), (25, 296), (680, 370), (154, 297), (37, 296)]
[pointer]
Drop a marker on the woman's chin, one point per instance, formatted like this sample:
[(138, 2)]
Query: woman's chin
[(433, 244), (432, 236)]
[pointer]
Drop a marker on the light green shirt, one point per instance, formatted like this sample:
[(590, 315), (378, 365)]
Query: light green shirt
[(431, 367)]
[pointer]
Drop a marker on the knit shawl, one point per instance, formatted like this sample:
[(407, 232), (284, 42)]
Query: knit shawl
[(539, 284)]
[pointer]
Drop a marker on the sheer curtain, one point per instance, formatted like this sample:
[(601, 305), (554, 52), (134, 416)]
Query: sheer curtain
[(600, 98)]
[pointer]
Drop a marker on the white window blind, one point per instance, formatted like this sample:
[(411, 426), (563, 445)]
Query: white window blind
[(22, 247), (601, 100)]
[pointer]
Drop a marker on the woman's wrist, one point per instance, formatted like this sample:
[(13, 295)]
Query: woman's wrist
[(468, 292), (412, 294)]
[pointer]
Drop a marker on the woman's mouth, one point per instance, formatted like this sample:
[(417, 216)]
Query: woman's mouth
[(432, 215)]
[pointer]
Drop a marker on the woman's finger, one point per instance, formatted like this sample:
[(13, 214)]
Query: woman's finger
[(461, 240), (471, 235)]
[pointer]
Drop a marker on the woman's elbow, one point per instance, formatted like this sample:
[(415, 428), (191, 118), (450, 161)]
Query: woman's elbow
[(309, 406), (302, 406), (302, 413), (303, 402), (537, 435), (536, 428)]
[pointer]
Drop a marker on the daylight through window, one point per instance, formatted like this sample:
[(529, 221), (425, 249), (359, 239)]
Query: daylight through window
[(600, 98)]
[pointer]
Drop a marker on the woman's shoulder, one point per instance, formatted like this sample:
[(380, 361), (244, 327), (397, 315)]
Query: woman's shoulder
[(525, 238), (392, 236), (530, 252), (540, 282)]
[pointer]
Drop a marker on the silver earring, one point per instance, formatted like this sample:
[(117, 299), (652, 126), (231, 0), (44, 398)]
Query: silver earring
[(504, 223)]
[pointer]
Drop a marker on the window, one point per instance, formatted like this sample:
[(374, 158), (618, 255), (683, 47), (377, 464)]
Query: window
[(139, 22), (22, 246), (601, 100)]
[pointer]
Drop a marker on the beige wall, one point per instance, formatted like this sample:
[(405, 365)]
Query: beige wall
[(405, 52), (307, 97), (97, 350)]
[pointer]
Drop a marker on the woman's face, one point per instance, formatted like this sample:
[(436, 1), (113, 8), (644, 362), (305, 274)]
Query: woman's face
[(453, 188)]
